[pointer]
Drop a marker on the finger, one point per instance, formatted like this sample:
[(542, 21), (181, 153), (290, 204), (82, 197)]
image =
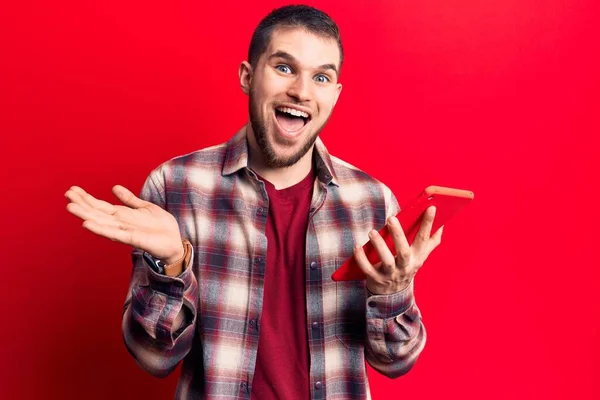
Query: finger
[(76, 189), (385, 255), (94, 203), (128, 198), (83, 210), (432, 243), (80, 207), (79, 210), (73, 196), (363, 262), (400, 242), (425, 228), (436, 238), (98, 217), (122, 234)]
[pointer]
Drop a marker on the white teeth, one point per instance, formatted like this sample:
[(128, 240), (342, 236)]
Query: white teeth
[(293, 111)]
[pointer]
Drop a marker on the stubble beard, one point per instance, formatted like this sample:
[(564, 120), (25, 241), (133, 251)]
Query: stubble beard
[(270, 157)]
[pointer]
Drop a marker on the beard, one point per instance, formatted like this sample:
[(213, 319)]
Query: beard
[(270, 157)]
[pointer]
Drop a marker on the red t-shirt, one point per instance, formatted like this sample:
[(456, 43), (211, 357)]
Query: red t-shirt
[(282, 364)]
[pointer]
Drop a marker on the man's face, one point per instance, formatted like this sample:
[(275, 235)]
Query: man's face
[(293, 89)]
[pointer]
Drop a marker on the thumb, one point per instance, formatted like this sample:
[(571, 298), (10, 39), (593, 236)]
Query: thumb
[(128, 198)]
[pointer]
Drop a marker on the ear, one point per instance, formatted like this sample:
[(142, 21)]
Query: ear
[(245, 73), (338, 90)]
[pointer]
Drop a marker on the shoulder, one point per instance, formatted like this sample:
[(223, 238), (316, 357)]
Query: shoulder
[(359, 189), (351, 178), (202, 165)]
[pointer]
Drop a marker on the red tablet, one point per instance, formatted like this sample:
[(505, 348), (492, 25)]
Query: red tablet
[(448, 202)]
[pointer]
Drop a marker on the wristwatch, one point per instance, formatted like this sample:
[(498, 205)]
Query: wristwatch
[(157, 265)]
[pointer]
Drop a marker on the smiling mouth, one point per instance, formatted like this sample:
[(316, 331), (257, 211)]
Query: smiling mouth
[(290, 119)]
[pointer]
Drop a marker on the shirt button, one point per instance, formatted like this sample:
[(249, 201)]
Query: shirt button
[(244, 386), (372, 304), (258, 261), (252, 322), (315, 325), (318, 385), (313, 265)]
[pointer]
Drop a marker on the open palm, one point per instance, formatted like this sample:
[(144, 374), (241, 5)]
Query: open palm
[(138, 223)]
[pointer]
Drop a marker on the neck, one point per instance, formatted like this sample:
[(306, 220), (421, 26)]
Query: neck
[(283, 177)]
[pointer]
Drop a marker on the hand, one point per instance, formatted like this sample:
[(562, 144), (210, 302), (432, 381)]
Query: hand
[(139, 223), (394, 274)]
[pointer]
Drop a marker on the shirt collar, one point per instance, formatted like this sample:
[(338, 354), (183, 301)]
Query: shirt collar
[(236, 158)]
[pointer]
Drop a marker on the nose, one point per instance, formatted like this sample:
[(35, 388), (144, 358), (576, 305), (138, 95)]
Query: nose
[(300, 89)]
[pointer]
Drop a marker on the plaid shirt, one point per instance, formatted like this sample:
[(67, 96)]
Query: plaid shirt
[(221, 208)]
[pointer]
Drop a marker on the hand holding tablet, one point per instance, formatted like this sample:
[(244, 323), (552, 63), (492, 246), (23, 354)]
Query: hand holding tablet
[(448, 202)]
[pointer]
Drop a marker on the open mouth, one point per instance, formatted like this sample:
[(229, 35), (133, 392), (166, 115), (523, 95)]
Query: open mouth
[(291, 120)]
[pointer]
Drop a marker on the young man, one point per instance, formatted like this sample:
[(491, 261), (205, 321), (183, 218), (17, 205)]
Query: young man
[(246, 299)]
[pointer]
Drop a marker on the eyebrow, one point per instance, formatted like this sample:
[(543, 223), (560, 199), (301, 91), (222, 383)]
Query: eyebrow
[(290, 58)]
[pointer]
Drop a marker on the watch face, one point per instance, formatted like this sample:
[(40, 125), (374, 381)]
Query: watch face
[(156, 265)]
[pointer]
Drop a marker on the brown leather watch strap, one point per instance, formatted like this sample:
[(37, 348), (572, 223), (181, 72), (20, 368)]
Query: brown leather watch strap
[(180, 265)]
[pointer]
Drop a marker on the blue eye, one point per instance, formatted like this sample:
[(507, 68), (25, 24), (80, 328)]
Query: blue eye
[(283, 69), (321, 78)]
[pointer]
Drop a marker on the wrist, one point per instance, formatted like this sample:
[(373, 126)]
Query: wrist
[(178, 256), (379, 289)]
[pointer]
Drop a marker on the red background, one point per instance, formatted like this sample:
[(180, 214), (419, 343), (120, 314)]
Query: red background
[(500, 97)]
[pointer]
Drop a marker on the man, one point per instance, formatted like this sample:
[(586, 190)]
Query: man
[(235, 244)]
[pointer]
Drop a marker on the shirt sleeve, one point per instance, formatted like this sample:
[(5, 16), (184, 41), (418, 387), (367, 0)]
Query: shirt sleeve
[(153, 304), (396, 335)]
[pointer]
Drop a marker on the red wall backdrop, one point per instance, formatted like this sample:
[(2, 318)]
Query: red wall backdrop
[(500, 97)]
